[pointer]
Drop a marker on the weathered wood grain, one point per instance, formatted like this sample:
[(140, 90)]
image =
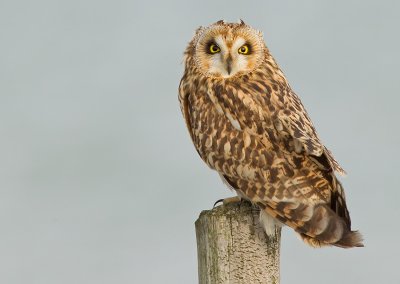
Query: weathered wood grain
[(233, 248)]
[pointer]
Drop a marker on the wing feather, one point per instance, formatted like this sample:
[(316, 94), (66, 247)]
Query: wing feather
[(295, 120)]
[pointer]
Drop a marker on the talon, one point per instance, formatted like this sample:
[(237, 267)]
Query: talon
[(218, 201)]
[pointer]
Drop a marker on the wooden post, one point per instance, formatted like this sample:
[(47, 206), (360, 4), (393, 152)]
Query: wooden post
[(233, 248)]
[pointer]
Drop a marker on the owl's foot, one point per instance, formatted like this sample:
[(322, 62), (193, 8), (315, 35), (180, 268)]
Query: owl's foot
[(229, 200)]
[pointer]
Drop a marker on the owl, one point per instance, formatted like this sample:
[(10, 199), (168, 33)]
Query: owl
[(247, 124)]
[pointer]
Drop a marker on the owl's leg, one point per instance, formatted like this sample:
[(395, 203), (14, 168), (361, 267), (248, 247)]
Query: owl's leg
[(233, 199), (229, 200)]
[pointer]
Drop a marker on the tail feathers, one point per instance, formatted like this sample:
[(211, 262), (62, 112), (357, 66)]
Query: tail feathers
[(351, 239), (317, 224), (325, 227)]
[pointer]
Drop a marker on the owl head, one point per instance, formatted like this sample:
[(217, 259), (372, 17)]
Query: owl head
[(226, 50)]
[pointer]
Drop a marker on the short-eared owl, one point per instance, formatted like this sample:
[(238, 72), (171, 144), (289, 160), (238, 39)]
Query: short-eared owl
[(248, 125)]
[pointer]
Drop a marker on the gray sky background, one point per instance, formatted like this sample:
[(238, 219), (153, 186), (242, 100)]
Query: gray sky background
[(99, 182)]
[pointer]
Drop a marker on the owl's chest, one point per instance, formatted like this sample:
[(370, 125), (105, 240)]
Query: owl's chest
[(210, 126)]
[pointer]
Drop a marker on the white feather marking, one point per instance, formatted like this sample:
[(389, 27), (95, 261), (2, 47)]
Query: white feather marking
[(233, 121), (269, 223), (247, 140), (227, 147), (219, 108)]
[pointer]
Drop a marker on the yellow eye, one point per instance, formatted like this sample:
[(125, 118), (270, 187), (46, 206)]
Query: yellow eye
[(244, 49), (214, 48)]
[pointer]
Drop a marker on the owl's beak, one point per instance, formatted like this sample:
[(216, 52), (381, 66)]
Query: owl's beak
[(229, 65)]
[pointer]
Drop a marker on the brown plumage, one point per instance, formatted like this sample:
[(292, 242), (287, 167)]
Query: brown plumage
[(248, 125)]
